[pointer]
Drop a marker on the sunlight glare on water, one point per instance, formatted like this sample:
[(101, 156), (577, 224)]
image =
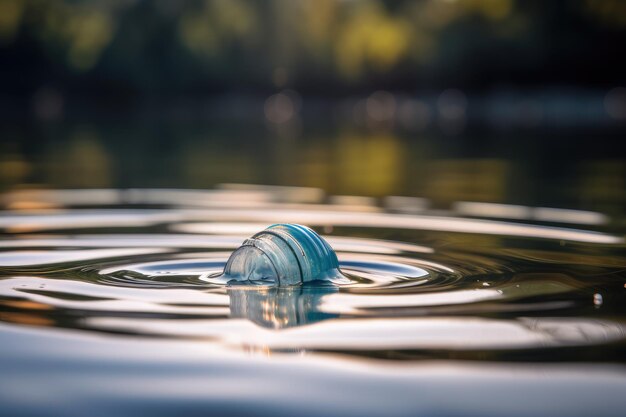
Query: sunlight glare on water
[(100, 287)]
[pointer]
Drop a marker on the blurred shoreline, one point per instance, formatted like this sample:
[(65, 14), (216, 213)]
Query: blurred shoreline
[(451, 111)]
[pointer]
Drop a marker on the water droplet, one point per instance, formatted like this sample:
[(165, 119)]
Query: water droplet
[(597, 299)]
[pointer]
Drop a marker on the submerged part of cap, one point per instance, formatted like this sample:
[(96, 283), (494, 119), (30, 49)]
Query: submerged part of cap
[(282, 254)]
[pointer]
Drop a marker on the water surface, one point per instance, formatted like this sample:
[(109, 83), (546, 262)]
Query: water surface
[(480, 309)]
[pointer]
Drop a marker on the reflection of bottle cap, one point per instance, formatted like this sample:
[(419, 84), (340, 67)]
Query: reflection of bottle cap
[(278, 308), (283, 254)]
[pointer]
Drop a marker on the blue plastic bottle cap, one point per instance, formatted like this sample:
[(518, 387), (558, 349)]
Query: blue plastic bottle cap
[(282, 254)]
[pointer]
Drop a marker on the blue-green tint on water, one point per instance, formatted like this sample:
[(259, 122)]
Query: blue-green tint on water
[(131, 302)]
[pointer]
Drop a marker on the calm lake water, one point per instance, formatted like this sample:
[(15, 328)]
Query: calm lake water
[(487, 272), (479, 310), (574, 168)]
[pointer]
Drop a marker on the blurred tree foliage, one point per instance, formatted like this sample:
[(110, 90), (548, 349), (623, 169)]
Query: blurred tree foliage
[(322, 46)]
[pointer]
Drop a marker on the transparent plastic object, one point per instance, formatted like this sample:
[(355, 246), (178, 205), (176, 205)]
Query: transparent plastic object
[(282, 255)]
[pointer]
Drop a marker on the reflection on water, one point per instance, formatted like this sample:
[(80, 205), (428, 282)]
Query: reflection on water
[(278, 307), (533, 169), (100, 287)]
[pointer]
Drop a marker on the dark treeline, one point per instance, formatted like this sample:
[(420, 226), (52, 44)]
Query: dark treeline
[(120, 48)]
